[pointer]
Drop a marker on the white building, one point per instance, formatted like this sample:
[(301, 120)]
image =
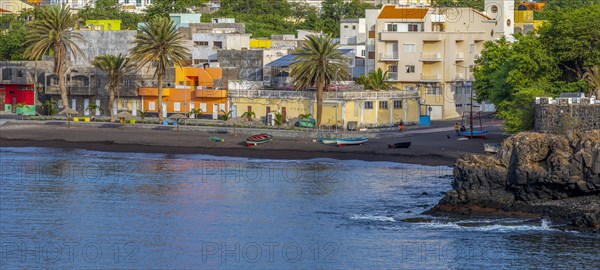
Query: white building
[(353, 36), (209, 38)]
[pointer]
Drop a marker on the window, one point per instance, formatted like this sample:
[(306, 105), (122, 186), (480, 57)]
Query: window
[(383, 105), (201, 43), (177, 106), (127, 83), (433, 90), (345, 27), (410, 48), (354, 27), (410, 69), (397, 104), (362, 53), (494, 9), (392, 27), (392, 68), (151, 106), (138, 3), (368, 105), (218, 45), (413, 27), (19, 73)]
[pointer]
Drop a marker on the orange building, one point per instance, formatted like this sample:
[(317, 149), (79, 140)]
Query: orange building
[(195, 90)]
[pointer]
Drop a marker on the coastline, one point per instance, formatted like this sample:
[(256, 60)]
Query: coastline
[(433, 149)]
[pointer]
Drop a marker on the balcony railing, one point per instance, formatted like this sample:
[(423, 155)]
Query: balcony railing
[(431, 78), (391, 57), (460, 56), (431, 57), (353, 95), (460, 76), (88, 90), (52, 90)]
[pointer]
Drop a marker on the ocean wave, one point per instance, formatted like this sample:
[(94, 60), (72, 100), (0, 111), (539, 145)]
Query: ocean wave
[(373, 218), (544, 226)]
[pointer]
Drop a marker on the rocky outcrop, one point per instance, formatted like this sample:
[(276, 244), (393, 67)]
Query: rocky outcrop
[(529, 170)]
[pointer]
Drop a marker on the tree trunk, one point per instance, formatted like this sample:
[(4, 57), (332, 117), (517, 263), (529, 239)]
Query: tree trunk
[(111, 103), (160, 107), (63, 87), (320, 86)]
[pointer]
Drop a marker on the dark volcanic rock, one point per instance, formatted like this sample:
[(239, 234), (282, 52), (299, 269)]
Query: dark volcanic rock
[(528, 169)]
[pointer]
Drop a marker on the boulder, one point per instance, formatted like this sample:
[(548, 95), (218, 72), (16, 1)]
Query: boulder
[(530, 167)]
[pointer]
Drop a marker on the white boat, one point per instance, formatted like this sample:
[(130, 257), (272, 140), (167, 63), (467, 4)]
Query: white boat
[(491, 147), (351, 141), (329, 140)]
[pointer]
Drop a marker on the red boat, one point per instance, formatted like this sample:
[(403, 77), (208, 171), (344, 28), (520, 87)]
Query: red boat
[(258, 139)]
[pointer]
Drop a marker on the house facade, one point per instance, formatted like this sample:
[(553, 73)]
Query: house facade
[(424, 49)]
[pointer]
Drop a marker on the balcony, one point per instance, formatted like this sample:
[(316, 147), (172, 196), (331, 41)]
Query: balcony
[(460, 77), (392, 76), (209, 93), (388, 57), (431, 57), (88, 90), (431, 78), (52, 90), (153, 92), (460, 57)]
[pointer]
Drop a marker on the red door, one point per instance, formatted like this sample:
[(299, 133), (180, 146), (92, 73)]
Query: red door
[(283, 114), (267, 115), (249, 110)]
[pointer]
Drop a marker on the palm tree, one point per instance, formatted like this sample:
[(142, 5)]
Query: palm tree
[(159, 43), (278, 119), (226, 115), (48, 104), (197, 113), (92, 107), (142, 116), (115, 67), (53, 32), (249, 115), (318, 63), (377, 80)]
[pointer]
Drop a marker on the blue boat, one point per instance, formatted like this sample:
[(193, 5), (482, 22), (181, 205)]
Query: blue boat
[(474, 134), (351, 141)]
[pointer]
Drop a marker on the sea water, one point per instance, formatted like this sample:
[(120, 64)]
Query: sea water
[(77, 209)]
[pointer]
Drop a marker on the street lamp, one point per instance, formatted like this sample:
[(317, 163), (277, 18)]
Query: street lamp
[(336, 102)]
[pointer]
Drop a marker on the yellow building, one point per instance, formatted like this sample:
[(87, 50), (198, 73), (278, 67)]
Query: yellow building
[(260, 43), (103, 25), (524, 17), (367, 108)]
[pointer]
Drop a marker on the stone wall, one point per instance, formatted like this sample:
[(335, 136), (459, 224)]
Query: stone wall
[(562, 114)]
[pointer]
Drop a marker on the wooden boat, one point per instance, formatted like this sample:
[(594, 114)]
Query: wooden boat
[(351, 141), (491, 147), (399, 145), (216, 139), (328, 140), (474, 134), (258, 139)]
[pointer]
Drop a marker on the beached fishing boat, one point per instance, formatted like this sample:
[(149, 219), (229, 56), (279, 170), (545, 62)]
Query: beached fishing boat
[(328, 140), (258, 139), (351, 141), (474, 134), (399, 145), (216, 139), (491, 147)]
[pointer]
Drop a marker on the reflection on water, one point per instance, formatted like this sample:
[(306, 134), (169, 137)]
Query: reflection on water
[(82, 209)]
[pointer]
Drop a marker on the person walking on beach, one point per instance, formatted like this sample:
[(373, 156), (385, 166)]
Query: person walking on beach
[(401, 125), (457, 129)]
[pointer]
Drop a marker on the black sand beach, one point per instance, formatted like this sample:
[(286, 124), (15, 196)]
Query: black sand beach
[(433, 148)]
